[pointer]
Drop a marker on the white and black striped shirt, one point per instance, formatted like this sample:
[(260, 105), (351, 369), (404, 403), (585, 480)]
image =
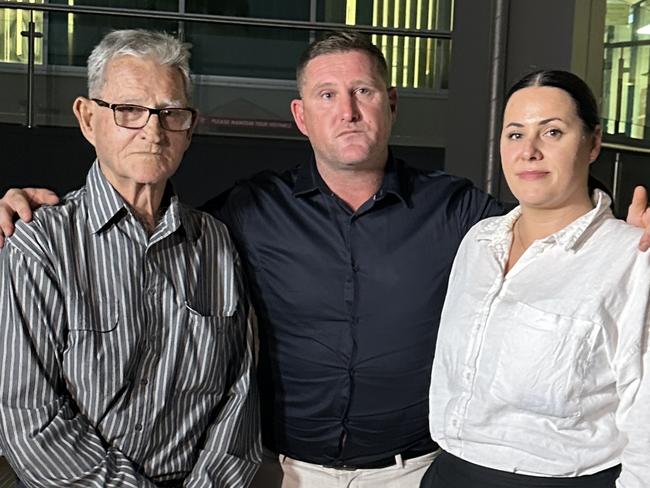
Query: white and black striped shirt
[(125, 360)]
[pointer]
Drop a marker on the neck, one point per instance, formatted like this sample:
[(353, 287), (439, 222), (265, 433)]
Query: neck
[(145, 202), (353, 186), (536, 223)]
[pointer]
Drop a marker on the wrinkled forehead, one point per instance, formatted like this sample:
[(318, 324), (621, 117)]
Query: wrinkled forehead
[(131, 76)]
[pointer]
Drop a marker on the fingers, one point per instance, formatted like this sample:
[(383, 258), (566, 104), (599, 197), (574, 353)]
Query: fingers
[(638, 214), (644, 243), (6, 221), (40, 196), (638, 205), (20, 202), (16, 201)]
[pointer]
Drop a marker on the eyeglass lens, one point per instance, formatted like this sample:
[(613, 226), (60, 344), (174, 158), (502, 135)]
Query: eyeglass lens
[(136, 117)]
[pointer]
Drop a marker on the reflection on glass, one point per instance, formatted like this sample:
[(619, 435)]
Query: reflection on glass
[(70, 38), (626, 106), (13, 45), (247, 51)]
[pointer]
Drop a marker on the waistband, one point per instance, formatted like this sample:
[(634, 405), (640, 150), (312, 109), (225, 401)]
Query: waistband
[(449, 471), (383, 462)]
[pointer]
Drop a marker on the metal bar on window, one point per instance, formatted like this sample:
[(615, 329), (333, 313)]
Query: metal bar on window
[(229, 20)]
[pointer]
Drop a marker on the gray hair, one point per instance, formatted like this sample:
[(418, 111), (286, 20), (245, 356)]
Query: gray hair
[(163, 48), (342, 42)]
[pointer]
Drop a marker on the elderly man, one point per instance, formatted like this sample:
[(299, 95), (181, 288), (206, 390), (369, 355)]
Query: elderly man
[(348, 257), (126, 339)]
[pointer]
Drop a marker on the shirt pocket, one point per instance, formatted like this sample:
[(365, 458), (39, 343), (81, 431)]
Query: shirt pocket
[(542, 361), (205, 350), (96, 348)]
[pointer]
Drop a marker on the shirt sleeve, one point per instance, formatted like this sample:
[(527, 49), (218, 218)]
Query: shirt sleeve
[(233, 449), (45, 438), (633, 380), (474, 205)]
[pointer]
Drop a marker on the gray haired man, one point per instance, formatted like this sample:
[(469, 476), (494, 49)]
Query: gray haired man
[(126, 343)]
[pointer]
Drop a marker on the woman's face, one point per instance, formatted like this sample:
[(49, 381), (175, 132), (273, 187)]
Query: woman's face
[(545, 150)]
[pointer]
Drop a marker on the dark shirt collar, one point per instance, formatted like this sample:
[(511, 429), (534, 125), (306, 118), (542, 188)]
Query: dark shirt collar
[(106, 206), (395, 181)]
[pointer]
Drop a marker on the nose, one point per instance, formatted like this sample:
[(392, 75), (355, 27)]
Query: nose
[(530, 150), (348, 108), (153, 131)]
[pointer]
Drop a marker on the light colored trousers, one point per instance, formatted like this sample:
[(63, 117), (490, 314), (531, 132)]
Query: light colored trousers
[(290, 473)]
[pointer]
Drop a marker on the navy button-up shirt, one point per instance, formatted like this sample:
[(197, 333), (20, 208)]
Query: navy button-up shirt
[(348, 304)]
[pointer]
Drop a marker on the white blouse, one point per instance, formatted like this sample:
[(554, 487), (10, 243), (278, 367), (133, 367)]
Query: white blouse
[(542, 371)]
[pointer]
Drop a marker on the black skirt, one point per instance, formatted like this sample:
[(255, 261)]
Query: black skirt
[(448, 471)]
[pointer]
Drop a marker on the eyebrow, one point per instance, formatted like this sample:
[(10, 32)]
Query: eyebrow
[(541, 122), (359, 81), (164, 104)]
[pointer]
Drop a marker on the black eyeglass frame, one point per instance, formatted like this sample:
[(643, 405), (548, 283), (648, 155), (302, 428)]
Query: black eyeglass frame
[(152, 111)]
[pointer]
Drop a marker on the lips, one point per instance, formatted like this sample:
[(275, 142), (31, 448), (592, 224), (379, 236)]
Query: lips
[(532, 175)]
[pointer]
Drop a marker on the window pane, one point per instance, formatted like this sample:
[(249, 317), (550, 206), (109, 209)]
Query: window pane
[(13, 45), (72, 37), (247, 51), (412, 62), (626, 104)]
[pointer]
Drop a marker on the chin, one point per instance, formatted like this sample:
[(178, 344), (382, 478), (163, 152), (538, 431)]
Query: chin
[(532, 199), (154, 168)]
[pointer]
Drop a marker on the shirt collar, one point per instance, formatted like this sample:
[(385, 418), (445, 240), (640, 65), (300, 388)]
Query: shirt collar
[(499, 230), (104, 203), (395, 181), (106, 206)]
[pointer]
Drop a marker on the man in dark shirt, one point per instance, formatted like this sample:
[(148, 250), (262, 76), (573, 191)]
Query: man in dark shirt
[(348, 257)]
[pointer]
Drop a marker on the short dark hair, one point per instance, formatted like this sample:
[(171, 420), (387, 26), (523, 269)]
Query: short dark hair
[(574, 86), (341, 42)]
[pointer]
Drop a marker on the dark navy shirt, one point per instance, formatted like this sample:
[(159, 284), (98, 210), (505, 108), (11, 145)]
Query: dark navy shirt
[(348, 304)]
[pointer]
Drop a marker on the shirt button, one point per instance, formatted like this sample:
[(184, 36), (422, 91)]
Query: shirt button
[(355, 268), (454, 423), (468, 376), (144, 382), (138, 427), (151, 291)]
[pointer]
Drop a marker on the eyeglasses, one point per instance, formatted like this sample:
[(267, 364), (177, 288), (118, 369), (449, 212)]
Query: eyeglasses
[(132, 116)]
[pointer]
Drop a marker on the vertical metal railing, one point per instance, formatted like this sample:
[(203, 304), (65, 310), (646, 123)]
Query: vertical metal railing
[(31, 35)]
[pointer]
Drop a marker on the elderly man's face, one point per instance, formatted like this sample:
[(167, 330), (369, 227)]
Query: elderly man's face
[(147, 156)]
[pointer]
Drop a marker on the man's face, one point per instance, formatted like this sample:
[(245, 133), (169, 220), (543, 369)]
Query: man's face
[(128, 157), (346, 111)]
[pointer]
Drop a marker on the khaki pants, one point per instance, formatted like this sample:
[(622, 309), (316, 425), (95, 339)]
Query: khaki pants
[(290, 473)]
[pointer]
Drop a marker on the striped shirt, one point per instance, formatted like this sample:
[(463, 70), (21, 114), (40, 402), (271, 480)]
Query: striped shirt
[(125, 360)]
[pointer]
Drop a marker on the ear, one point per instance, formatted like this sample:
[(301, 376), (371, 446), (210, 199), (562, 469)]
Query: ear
[(596, 144), (297, 110), (392, 100), (83, 109)]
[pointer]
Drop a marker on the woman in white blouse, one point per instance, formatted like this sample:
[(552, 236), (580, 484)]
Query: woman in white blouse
[(539, 376)]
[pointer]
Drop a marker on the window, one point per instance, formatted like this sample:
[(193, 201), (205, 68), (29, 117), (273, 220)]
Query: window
[(625, 105), (412, 61), (13, 45), (246, 51)]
